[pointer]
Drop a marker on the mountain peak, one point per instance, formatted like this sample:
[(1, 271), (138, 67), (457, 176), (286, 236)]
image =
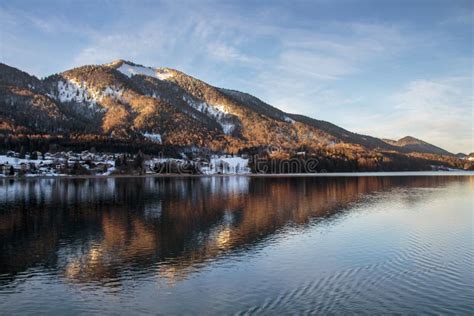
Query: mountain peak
[(120, 62), (411, 140), (130, 69)]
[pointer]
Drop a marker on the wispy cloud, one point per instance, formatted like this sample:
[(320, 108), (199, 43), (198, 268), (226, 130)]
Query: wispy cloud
[(440, 111), (224, 52), (311, 62), (164, 38), (460, 16)]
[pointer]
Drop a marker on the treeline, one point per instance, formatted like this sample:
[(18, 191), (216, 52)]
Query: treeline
[(387, 161), (78, 143)]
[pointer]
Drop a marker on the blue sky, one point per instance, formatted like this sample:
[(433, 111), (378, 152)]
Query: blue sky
[(385, 68)]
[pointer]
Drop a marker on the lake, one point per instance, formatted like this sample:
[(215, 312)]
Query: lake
[(237, 245)]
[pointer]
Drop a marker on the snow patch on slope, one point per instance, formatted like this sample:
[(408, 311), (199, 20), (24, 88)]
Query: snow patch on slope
[(163, 74), (288, 119), (228, 128), (71, 90), (217, 112), (130, 70), (153, 137)]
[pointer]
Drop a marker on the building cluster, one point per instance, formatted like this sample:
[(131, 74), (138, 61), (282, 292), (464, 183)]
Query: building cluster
[(59, 163), (93, 163)]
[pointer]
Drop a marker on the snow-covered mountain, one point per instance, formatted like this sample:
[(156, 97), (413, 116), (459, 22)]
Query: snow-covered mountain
[(130, 102)]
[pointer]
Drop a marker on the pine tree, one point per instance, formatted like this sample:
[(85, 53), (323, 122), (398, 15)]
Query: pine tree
[(118, 162), (138, 161), (22, 152)]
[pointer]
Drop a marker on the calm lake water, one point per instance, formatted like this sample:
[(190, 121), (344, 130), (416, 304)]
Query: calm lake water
[(237, 245)]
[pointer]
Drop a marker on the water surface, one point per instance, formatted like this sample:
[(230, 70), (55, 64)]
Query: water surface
[(237, 245)]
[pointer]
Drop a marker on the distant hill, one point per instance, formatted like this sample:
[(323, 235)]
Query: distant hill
[(412, 144)]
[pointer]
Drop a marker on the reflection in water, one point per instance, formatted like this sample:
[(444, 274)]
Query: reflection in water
[(104, 233)]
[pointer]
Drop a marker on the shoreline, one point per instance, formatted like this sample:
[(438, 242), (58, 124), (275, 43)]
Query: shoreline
[(254, 175)]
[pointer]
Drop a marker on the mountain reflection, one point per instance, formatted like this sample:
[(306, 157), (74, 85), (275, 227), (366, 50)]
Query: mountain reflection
[(105, 230)]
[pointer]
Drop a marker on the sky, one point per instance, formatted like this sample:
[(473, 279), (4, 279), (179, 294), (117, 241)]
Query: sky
[(386, 68)]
